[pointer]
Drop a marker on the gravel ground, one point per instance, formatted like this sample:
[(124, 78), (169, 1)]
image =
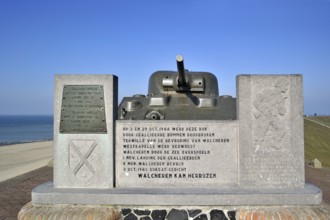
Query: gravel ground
[(320, 178), (16, 192)]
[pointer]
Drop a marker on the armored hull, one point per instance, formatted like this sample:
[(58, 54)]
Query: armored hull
[(181, 95)]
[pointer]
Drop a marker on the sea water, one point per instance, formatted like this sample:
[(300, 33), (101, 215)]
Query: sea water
[(21, 129)]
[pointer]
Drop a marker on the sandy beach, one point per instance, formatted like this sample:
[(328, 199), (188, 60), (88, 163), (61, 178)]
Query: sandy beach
[(18, 159)]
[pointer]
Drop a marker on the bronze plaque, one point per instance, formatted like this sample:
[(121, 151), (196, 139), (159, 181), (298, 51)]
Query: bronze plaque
[(83, 109)]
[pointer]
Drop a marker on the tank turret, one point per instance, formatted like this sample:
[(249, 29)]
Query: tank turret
[(179, 95)]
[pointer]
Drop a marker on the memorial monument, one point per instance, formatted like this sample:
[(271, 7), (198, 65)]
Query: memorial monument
[(182, 151)]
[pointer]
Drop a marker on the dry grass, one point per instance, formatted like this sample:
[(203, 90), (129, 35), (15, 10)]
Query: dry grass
[(321, 119), (317, 140)]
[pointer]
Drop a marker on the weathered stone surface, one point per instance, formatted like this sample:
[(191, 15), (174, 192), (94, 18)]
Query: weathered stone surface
[(142, 212), (217, 215), (270, 114), (84, 160), (276, 212), (126, 211), (145, 218), (194, 212), (130, 216), (201, 217), (316, 163), (176, 153), (231, 215), (158, 214), (176, 214), (32, 212), (47, 194)]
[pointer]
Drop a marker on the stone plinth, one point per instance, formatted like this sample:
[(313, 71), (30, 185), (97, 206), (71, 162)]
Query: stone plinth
[(179, 196), (34, 212)]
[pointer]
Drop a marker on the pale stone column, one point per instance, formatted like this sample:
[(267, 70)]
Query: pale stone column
[(84, 131), (271, 135)]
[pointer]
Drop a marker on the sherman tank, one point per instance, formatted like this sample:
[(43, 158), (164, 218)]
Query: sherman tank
[(179, 95)]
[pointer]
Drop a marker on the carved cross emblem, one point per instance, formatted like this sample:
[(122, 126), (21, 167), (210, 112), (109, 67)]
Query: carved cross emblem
[(80, 162)]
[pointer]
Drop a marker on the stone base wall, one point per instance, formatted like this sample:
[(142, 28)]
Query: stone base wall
[(176, 214), (29, 211)]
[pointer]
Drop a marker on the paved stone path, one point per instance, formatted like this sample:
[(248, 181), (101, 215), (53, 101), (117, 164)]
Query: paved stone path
[(321, 178), (18, 159), (16, 192), (317, 122)]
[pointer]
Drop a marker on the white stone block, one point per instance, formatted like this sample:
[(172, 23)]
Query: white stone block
[(176, 153), (84, 142), (271, 132)]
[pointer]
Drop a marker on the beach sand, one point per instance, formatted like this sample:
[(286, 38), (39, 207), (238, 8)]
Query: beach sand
[(18, 159)]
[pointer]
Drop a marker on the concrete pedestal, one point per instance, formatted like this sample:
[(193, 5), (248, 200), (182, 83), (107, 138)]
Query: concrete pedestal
[(33, 212), (47, 194)]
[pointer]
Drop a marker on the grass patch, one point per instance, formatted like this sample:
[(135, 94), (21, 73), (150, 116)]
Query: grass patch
[(317, 141), (321, 119)]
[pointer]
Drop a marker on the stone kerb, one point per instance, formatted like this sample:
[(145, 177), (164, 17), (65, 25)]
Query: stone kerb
[(31, 212)]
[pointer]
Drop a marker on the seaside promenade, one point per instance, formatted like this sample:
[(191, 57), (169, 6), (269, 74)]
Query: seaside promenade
[(18, 159)]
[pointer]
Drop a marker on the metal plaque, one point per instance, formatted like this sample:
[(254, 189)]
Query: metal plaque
[(83, 109)]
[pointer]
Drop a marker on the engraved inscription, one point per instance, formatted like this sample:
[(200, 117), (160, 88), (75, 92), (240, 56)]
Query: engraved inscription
[(80, 151), (83, 109), (176, 153), (272, 169)]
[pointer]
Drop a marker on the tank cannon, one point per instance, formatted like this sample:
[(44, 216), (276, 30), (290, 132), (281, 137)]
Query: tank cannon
[(179, 95)]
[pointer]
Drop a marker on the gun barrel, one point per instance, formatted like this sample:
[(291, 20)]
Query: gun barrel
[(182, 75)]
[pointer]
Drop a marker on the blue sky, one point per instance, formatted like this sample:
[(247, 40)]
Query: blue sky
[(132, 39)]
